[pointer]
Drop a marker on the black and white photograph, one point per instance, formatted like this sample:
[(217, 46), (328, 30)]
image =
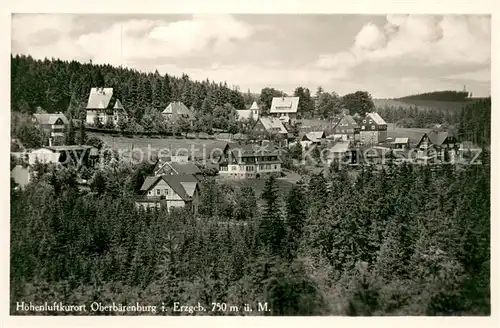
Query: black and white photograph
[(231, 164)]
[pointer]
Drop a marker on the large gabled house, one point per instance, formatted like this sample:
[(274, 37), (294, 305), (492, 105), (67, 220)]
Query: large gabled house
[(436, 144), (177, 110), (311, 138), (54, 125), (265, 127), (249, 161), (373, 129), (170, 191), (285, 108), (345, 128), (436, 140), (103, 106)]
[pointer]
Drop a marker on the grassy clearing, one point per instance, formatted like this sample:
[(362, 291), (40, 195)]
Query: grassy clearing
[(196, 147)]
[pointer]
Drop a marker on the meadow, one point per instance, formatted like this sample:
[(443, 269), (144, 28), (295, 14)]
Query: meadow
[(200, 148)]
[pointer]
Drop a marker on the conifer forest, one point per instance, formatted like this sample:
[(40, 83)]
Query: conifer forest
[(405, 240)]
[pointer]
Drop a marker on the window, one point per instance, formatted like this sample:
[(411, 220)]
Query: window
[(373, 127), (275, 167), (364, 121), (362, 127), (166, 192), (158, 192)]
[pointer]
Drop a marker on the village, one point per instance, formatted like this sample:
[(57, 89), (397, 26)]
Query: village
[(344, 140), (250, 164)]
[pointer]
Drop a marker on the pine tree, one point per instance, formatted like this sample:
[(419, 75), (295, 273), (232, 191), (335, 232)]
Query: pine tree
[(70, 133), (167, 90), (158, 94), (296, 215), (272, 230), (82, 136), (246, 203)]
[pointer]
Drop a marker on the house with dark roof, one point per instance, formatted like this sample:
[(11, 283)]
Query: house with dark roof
[(104, 106), (436, 139), (311, 138), (164, 167), (249, 161), (176, 110), (54, 125), (345, 128), (373, 129), (434, 145), (285, 108), (170, 191), (266, 127)]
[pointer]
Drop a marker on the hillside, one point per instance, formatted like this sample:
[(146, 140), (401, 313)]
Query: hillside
[(446, 96), (56, 85), (422, 104)]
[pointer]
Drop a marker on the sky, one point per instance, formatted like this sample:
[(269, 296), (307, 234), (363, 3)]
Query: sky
[(389, 56)]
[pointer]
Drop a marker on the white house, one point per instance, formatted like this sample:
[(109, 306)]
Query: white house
[(170, 191), (103, 105), (249, 161), (285, 108)]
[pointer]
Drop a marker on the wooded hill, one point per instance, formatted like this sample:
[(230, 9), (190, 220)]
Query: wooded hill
[(57, 85), (447, 95)]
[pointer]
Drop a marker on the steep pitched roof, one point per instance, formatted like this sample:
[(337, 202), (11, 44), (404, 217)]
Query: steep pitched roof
[(118, 105), (99, 98), (254, 105), (437, 138), (271, 123), (189, 187), (340, 147), (176, 182), (45, 119), (284, 105), (176, 168), (376, 118), (178, 108), (315, 136), (348, 119)]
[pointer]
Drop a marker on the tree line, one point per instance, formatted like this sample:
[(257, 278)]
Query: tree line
[(405, 240), (447, 95), (62, 86)]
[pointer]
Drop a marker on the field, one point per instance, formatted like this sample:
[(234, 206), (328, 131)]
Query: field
[(199, 148), (422, 104)]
